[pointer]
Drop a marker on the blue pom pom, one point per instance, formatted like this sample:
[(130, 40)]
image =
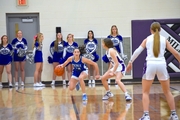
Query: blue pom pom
[(50, 59), (62, 60), (105, 59), (96, 58)]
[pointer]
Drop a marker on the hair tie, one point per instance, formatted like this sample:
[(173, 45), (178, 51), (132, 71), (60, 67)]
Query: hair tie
[(35, 37)]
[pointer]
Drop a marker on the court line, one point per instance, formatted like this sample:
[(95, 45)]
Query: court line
[(174, 89), (75, 108)]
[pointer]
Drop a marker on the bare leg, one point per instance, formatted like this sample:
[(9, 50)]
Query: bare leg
[(36, 73), (22, 66), (8, 70), (1, 72), (16, 71), (104, 80)]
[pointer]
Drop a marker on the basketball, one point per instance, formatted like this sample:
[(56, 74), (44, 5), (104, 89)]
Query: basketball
[(59, 71)]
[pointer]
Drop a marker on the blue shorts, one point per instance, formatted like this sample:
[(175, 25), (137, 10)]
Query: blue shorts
[(76, 74)]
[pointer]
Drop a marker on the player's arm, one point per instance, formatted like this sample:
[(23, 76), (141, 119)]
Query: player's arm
[(90, 62), (173, 51), (112, 53), (67, 61)]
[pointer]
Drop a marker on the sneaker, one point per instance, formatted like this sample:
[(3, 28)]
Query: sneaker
[(10, 85), (41, 84), (84, 103), (89, 82), (53, 82), (145, 117), (109, 81), (93, 81), (89, 85), (128, 105), (174, 117), (22, 83), (128, 97), (16, 84), (1, 85), (34, 84), (64, 86), (93, 85), (77, 86), (64, 82), (84, 97), (107, 95)]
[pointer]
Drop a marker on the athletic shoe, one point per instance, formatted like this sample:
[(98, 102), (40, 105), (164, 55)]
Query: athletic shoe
[(89, 82), (174, 117), (107, 95), (77, 86), (22, 83), (145, 117), (93, 81), (41, 84), (84, 97), (128, 97), (64, 82), (16, 84)]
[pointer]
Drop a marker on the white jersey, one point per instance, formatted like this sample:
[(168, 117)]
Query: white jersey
[(120, 60), (149, 46)]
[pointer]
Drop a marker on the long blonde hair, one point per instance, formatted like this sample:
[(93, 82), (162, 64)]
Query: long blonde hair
[(56, 42), (117, 33), (37, 38), (156, 27), (72, 37)]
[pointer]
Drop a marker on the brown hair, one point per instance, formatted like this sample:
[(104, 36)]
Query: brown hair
[(156, 27), (37, 38), (56, 42), (116, 30), (108, 43), (2, 40)]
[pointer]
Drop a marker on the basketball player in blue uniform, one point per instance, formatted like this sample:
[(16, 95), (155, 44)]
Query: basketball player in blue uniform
[(38, 59), (117, 69), (70, 45), (80, 70), (57, 48), (19, 45), (117, 43), (91, 46), (6, 51), (155, 45)]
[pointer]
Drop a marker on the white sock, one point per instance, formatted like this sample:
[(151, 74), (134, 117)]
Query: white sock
[(84, 93), (173, 112), (53, 81), (126, 93)]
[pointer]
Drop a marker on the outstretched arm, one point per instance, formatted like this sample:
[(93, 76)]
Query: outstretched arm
[(136, 53), (173, 51), (66, 62)]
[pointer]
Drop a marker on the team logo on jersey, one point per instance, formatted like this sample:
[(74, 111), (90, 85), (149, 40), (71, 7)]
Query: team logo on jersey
[(60, 48), (5, 51), (115, 41), (90, 46), (77, 66), (70, 49)]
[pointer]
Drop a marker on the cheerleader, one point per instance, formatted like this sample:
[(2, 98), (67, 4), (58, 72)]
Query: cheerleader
[(80, 71), (68, 52), (117, 43), (38, 59), (57, 48), (91, 46), (19, 45), (6, 51)]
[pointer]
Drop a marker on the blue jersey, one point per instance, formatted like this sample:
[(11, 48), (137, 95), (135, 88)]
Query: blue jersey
[(78, 67), (57, 54), (19, 44), (6, 55), (116, 42), (70, 49), (91, 47), (38, 57)]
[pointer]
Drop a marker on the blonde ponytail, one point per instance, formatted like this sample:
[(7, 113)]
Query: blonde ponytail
[(156, 44)]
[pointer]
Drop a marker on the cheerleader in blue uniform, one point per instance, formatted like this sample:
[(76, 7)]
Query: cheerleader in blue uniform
[(6, 51), (38, 59), (68, 52), (91, 46), (19, 45), (57, 48), (80, 71), (117, 43)]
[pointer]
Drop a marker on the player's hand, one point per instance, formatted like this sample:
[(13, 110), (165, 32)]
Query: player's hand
[(129, 67), (61, 65)]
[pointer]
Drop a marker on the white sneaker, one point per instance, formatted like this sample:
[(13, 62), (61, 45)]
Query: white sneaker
[(109, 81), (10, 85), (1, 85), (89, 82), (35, 84), (145, 117), (128, 97), (64, 82), (16, 84), (107, 95), (53, 82), (174, 117), (93, 81), (22, 83), (41, 84)]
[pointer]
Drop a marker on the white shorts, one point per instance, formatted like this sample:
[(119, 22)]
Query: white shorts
[(121, 68), (155, 68), (76, 76)]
